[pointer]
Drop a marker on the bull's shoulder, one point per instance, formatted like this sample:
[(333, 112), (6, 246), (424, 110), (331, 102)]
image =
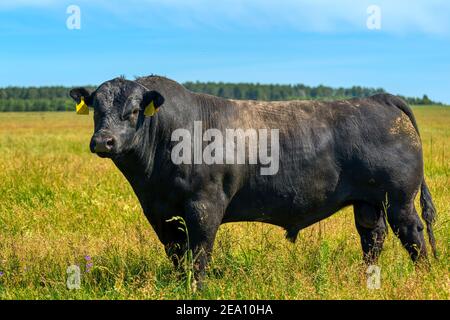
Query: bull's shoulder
[(208, 101), (163, 84)]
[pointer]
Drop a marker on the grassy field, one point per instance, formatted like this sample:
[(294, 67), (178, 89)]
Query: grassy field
[(60, 205)]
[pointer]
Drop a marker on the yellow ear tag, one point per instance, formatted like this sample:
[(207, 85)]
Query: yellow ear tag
[(150, 110), (82, 107)]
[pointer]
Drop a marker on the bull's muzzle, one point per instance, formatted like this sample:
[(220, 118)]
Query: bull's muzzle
[(102, 143)]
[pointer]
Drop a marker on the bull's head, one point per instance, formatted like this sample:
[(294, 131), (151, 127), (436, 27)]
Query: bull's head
[(119, 107)]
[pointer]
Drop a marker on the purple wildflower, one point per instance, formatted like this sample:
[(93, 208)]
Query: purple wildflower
[(89, 266)]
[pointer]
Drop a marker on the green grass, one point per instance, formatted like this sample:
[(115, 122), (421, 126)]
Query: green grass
[(59, 203)]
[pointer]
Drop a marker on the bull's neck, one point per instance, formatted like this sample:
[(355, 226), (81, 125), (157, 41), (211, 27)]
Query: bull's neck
[(138, 165)]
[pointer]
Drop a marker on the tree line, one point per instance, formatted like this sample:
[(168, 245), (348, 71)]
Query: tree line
[(55, 98)]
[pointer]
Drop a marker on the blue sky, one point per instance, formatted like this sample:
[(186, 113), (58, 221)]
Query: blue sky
[(292, 41)]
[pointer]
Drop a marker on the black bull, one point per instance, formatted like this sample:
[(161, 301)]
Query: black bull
[(361, 152)]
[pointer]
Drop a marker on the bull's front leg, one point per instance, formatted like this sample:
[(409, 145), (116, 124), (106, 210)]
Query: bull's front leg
[(203, 218)]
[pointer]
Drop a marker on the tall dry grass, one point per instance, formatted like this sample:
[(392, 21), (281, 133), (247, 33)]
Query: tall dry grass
[(61, 205)]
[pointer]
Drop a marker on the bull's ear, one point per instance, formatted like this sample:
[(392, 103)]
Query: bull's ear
[(78, 93), (151, 102)]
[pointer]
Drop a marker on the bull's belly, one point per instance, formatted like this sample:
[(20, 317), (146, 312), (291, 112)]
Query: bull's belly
[(288, 210)]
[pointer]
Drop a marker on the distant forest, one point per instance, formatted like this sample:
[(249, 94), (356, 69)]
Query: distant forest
[(56, 98)]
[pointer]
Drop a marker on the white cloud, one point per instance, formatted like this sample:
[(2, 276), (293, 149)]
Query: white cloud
[(427, 16), (400, 16)]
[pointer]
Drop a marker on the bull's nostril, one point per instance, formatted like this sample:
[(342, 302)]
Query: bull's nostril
[(110, 142)]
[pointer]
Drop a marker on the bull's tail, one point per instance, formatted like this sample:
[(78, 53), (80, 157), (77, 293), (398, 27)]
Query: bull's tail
[(428, 214), (426, 201)]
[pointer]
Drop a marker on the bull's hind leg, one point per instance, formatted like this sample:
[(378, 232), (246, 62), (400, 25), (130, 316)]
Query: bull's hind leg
[(371, 225), (406, 224)]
